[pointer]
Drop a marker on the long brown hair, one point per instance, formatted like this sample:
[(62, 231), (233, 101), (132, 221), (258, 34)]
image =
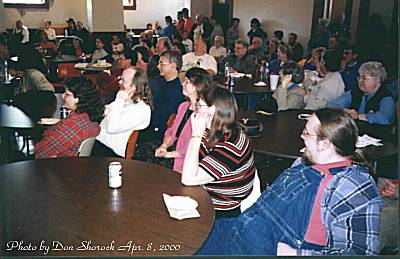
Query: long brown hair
[(143, 90), (226, 113)]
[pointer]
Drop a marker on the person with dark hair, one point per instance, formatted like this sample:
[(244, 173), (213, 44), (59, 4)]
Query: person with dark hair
[(220, 155), (256, 30), (200, 58), (100, 53), (297, 48), (178, 47), (49, 48), (290, 93), (279, 35), (85, 35), (350, 66), (329, 88), (188, 20), (326, 203), (240, 61), (78, 46), (152, 70), (180, 24), (232, 34), (71, 28), (371, 101), (34, 71), (216, 30), (149, 26), (142, 57), (196, 85), (83, 100), (134, 97), (284, 54), (170, 29)]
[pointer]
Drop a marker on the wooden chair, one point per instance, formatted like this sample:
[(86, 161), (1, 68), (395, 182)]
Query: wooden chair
[(65, 70), (86, 147), (131, 145)]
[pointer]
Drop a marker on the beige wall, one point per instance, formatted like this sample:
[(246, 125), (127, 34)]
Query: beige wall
[(59, 12), (106, 15), (201, 7), (149, 11), (286, 15)]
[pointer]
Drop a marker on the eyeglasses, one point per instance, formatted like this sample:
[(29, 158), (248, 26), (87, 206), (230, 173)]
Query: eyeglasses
[(364, 77), (306, 134)]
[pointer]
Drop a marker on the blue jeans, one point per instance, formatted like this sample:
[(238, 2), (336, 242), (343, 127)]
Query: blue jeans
[(281, 214)]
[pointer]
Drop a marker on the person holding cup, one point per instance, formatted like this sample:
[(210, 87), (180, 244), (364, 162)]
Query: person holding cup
[(220, 155), (290, 93)]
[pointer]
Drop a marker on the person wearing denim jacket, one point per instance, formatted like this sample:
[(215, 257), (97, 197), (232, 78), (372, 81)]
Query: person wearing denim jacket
[(280, 222)]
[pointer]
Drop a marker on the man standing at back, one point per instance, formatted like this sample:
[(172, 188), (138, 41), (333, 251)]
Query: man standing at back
[(326, 203), (167, 95)]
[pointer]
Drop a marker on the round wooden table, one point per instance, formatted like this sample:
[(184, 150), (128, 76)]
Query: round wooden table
[(65, 205)]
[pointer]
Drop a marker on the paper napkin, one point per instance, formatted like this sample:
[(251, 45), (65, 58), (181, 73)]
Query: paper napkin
[(366, 140), (181, 207)]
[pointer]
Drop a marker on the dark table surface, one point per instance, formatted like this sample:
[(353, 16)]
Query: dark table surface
[(281, 135), (63, 59), (66, 203)]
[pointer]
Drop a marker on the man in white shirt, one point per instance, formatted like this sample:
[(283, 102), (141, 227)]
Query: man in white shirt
[(51, 33), (200, 58), (21, 29)]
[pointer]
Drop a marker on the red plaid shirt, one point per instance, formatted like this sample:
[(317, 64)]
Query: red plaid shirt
[(64, 138)]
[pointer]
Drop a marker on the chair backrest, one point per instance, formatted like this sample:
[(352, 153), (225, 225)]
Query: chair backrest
[(255, 193), (13, 117), (131, 145), (66, 70), (86, 147)]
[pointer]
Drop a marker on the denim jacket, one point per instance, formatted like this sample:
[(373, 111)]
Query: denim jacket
[(350, 211)]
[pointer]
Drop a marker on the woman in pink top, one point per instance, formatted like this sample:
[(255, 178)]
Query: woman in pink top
[(196, 85)]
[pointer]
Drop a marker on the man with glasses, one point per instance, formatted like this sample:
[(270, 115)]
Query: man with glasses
[(349, 67), (371, 101), (167, 96), (326, 203)]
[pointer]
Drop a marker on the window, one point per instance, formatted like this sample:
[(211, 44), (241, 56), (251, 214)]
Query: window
[(129, 4), (26, 3)]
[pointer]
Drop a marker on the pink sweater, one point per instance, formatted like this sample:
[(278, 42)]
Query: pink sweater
[(184, 137)]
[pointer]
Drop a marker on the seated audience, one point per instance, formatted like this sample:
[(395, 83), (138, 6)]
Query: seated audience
[(51, 33), (218, 51), (130, 111), (290, 93), (297, 48), (100, 53), (195, 87), (220, 155), (371, 101), (256, 48), (329, 88), (117, 47), (349, 67), (200, 58), (326, 203), (241, 62), (64, 139)]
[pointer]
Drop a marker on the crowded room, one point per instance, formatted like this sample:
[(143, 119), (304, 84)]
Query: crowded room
[(199, 128)]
